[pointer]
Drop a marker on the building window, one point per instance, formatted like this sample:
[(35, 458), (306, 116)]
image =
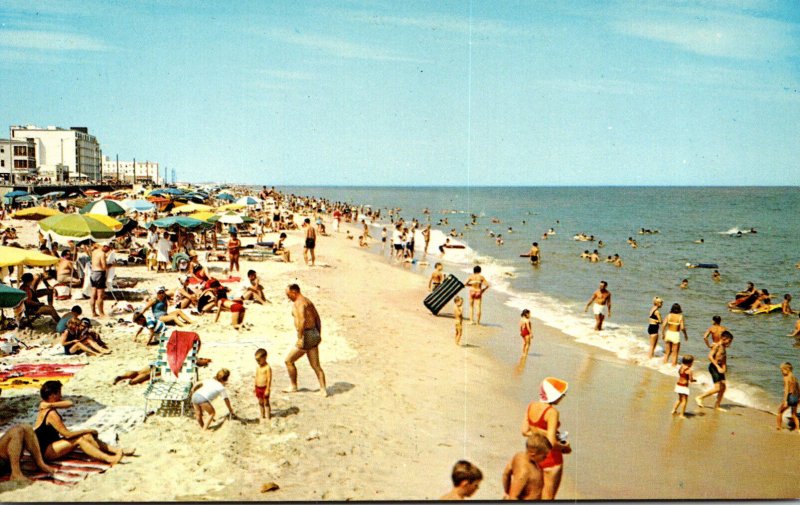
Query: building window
[(20, 163), (2, 163), (20, 151)]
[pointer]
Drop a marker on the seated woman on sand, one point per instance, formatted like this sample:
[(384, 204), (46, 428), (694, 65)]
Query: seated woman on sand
[(160, 307), (77, 339), (56, 440), (183, 295)]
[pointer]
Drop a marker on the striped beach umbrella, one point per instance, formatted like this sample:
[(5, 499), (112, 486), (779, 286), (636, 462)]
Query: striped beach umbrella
[(76, 227), (106, 207), (248, 200)]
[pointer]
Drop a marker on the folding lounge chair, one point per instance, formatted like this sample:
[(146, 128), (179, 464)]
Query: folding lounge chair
[(169, 387)]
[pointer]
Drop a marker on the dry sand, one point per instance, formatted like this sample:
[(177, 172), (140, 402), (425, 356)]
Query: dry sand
[(405, 404)]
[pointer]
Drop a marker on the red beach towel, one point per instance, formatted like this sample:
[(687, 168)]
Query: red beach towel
[(34, 375), (178, 347), (74, 468)]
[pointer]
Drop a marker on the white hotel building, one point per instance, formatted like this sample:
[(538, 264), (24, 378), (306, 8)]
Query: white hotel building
[(123, 171), (63, 154)]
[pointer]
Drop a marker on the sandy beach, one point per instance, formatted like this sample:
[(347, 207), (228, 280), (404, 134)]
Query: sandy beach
[(405, 403)]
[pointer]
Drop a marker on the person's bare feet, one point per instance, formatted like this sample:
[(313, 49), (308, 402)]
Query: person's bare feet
[(129, 452), (323, 392), (721, 409), (289, 390), (117, 379), (115, 459), (20, 478), (699, 402)]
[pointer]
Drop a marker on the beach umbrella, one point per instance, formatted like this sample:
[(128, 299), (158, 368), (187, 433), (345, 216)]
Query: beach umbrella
[(105, 207), (127, 227), (227, 197), (10, 256), (178, 222), (248, 200), (232, 206), (10, 297), (27, 198), (173, 191), (138, 205), (106, 220), (231, 218), (35, 213), (78, 202), (209, 217), (54, 194), (191, 207), (65, 227), (16, 194), (91, 192)]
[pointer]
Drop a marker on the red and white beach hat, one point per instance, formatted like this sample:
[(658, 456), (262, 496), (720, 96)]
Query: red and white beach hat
[(552, 389)]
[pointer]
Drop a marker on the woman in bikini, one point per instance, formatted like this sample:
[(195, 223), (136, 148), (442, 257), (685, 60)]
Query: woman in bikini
[(477, 286), (654, 325), (672, 328), (56, 440), (544, 417)]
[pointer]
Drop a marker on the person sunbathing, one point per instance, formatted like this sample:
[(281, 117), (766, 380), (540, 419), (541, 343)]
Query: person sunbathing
[(78, 339), (183, 295), (56, 440), (16, 439), (33, 306), (160, 306)]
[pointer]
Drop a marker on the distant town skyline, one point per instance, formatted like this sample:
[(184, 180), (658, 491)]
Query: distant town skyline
[(418, 93)]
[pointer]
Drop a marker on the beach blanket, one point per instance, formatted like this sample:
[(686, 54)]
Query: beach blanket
[(34, 375), (70, 470), (178, 347)]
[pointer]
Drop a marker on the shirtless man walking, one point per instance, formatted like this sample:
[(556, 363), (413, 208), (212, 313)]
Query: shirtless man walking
[(522, 477), (98, 279), (311, 241), (717, 368), (309, 336), (602, 305)]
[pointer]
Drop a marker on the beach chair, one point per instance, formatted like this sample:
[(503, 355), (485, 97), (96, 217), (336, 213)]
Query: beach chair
[(169, 387)]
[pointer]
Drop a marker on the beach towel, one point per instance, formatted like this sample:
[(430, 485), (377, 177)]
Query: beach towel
[(34, 375), (178, 347), (70, 470)]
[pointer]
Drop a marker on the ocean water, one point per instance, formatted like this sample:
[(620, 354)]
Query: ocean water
[(557, 291)]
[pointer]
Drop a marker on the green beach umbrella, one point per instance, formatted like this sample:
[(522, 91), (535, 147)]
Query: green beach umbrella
[(179, 222), (65, 227), (106, 207), (10, 297)]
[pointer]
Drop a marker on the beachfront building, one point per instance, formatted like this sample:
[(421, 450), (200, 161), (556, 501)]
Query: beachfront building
[(17, 161), (139, 172), (63, 154)]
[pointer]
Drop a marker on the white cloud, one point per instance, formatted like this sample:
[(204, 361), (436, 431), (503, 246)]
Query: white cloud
[(337, 47), (49, 41), (715, 33), (460, 25)]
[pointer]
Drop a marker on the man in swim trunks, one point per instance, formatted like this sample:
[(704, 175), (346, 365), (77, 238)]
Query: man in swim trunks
[(534, 253), (522, 477), (98, 279), (311, 241), (602, 305), (478, 285), (309, 336), (717, 368)]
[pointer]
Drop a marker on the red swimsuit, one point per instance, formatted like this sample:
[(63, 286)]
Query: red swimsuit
[(554, 457)]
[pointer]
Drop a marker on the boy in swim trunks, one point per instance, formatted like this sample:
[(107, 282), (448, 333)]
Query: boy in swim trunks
[(458, 315), (791, 396), (263, 383), (717, 368), (522, 477), (436, 277)]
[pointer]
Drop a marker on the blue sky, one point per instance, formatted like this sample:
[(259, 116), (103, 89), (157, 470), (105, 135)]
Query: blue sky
[(412, 93)]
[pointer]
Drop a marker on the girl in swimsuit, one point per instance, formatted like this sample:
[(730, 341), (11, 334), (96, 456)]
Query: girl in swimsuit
[(525, 331), (673, 326), (543, 416), (56, 440), (654, 324), (682, 387)]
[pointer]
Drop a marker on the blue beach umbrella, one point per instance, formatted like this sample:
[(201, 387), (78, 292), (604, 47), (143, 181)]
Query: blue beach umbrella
[(53, 194), (172, 191), (138, 205), (227, 197), (17, 193), (248, 200), (179, 222)]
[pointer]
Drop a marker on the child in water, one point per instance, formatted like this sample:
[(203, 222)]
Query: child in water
[(682, 387), (525, 331), (458, 315), (791, 396)]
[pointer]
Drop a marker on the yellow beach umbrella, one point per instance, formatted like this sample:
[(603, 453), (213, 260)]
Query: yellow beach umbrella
[(35, 213), (204, 216), (191, 207), (106, 220), (29, 257), (231, 206)]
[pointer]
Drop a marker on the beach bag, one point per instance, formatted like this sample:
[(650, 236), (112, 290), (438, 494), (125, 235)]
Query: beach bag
[(62, 291)]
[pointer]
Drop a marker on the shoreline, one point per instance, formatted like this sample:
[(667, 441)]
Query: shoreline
[(404, 397)]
